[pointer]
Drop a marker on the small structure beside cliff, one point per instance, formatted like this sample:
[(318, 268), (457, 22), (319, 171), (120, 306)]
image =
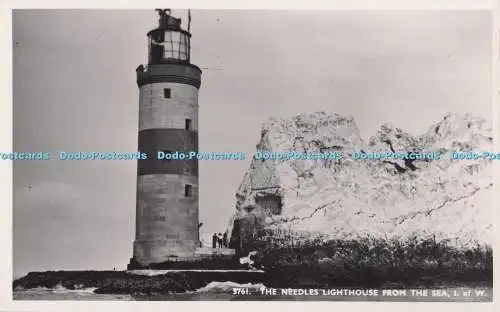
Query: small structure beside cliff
[(386, 198)]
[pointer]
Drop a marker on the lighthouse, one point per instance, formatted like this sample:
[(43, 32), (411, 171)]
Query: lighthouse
[(167, 211)]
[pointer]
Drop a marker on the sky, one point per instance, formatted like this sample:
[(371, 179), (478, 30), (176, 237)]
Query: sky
[(74, 89)]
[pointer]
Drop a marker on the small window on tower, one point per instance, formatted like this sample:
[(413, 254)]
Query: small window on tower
[(188, 124), (166, 93), (188, 190)]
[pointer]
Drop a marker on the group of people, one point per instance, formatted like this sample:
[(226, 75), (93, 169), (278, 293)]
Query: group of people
[(219, 240)]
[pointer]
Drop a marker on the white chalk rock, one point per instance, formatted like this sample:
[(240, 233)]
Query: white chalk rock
[(347, 198)]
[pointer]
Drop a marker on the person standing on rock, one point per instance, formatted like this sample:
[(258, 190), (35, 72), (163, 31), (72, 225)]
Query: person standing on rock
[(224, 240), (219, 240), (214, 241)]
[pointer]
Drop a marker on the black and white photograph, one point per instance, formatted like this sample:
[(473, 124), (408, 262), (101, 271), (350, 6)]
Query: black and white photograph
[(176, 154)]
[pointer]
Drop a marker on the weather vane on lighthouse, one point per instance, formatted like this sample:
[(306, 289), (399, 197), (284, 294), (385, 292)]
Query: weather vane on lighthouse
[(163, 12)]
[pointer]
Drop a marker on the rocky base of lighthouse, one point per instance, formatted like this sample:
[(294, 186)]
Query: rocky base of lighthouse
[(203, 258)]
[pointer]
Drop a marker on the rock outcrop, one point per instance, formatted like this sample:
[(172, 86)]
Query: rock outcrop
[(385, 198), (133, 283)]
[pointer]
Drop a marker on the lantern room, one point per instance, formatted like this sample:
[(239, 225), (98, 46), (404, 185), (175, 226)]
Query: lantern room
[(169, 43)]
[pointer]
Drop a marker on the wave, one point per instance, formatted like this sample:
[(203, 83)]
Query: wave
[(224, 287), (58, 289)]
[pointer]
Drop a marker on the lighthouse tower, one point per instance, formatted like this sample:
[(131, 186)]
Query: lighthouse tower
[(167, 190)]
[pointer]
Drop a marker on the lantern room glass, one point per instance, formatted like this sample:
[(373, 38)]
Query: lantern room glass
[(174, 45)]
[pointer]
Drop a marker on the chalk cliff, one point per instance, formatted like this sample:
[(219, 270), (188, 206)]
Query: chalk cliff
[(347, 198)]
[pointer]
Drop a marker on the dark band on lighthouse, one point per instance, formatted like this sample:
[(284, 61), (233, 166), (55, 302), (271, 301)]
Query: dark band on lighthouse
[(170, 72), (152, 141)]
